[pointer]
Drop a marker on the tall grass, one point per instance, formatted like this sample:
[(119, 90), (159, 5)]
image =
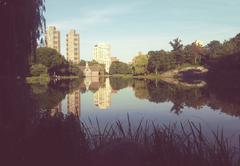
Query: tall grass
[(168, 145), (65, 140)]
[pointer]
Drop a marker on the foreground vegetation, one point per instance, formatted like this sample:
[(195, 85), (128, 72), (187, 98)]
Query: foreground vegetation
[(60, 140), (34, 134)]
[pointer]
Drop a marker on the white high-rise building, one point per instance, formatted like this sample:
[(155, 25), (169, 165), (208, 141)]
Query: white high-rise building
[(73, 47), (102, 54), (53, 38)]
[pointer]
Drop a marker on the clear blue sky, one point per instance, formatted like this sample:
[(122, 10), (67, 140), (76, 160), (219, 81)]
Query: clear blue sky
[(131, 26)]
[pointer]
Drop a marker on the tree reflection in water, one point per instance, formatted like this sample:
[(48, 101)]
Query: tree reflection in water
[(32, 135), (224, 97)]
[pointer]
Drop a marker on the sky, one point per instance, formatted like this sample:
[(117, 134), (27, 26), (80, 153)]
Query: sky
[(133, 26)]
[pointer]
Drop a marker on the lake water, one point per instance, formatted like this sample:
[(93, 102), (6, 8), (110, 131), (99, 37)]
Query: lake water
[(44, 118), (112, 99)]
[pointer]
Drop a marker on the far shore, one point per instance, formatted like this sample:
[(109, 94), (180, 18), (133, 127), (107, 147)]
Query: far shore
[(174, 76)]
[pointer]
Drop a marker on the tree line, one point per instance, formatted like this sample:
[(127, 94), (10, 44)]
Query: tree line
[(214, 56), (49, 62)]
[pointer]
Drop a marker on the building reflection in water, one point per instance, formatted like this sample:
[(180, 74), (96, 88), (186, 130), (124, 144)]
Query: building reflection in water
[(102, 98), (73, 103)]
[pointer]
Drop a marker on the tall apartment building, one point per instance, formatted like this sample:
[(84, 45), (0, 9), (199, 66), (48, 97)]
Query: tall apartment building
[(53, 38), (73, 47), (102, 54)]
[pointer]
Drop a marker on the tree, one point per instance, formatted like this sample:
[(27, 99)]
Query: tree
[(140, 63), (177, 50), (74, 70), (176, 44), (93, 62), (193, 53), (51, 59), (100, 66), (120, 68), (82, 63), (22, 25), (153, 62), (159, 61), (214, 48), (38, 70)]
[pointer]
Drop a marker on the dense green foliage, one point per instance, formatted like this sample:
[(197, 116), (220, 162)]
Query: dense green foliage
[(38, 70), (215, 55), (120, 68), (159, 61), (74, 70), (49, 57), (56, 64), (140, 64), (52, 60), (177, 51), (223, 61), (22, 25)]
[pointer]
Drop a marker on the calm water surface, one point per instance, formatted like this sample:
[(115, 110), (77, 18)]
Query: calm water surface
[(46, 116), (112, 99)]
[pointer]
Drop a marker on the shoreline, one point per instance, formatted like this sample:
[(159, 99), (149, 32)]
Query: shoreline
[(175, 76)]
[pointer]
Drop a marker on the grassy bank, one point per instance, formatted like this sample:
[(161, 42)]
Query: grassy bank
[(161, 75), (149, 76), (66, 77), (44, 79)]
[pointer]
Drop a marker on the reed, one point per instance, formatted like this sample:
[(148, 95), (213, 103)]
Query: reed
[(169, 145)]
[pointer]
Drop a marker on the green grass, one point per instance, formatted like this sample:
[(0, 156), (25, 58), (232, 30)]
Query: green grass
[(149, 76), (68, 77), (44, 79), (152, 76)]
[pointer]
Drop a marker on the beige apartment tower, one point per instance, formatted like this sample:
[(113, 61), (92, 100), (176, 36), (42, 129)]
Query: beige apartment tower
[(53, 38), (73, 47)]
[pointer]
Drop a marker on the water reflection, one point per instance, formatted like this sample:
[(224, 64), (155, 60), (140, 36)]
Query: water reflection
[(31, 116), (73, 103), (65, 96), (103, 96), (57, 109)]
